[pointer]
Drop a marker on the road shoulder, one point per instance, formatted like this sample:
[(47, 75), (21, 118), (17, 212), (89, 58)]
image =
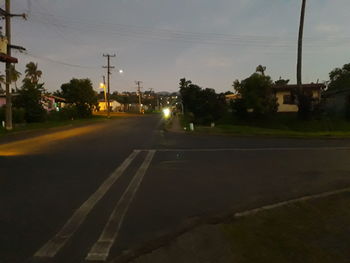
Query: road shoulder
[(316, 228)]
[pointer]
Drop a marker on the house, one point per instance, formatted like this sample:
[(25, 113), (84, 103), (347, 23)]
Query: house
[(48, 101), (229, 97), (52, 103), (113, 104), (284, 95), (3, 98)]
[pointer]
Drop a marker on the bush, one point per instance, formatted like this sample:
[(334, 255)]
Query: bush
[(205, 105), (67, 113), (18, 115), (239, 108)]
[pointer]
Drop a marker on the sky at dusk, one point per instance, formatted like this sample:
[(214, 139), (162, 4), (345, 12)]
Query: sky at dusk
[(158, 42)]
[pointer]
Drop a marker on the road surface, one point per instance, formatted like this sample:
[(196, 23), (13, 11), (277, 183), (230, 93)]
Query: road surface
[(88, 194)]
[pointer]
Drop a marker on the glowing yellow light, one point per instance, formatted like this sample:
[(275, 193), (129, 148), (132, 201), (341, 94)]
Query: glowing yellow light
[(166, 112), (102, 86)]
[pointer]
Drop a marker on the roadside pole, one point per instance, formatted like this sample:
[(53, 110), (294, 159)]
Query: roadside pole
[(138, 83), (8, 65), (108, 67), (7, 14)]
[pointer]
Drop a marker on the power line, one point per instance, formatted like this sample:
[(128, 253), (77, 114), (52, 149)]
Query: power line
[(58, 62), (184, 36)]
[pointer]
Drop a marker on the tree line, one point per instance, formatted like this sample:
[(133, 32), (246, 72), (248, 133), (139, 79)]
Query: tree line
[(255, 97), (79, 96)]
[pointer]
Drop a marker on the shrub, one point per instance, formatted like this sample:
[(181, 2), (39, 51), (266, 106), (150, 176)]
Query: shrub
[(18, 115), (67, 113)]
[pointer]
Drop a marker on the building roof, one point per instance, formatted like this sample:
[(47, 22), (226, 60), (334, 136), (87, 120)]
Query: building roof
[(53, 96), (232, 96), (311, 86)]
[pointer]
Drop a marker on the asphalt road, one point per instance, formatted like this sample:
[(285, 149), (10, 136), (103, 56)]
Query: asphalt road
[(90, 193)]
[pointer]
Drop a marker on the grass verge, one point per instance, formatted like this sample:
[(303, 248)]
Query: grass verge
[(51, 124), (251, 130), (316, 231), (281, 125)]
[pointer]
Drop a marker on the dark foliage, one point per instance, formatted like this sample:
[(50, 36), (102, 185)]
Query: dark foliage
[(29, 99), (80, 94), (204, 105), (256, 94)]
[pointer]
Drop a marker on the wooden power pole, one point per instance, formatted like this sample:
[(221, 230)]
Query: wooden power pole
[(108, 67), (8, 65), (138, 83), (7, 14)]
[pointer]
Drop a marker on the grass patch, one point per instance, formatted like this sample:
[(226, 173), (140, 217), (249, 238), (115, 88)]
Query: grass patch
[(250, 130), (316, 231), (282, 125), (51, 124)]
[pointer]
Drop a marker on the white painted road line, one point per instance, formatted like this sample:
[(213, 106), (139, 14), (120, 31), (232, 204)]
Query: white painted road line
[(289, 202), (51, 248), (100, 250), (251, 149)]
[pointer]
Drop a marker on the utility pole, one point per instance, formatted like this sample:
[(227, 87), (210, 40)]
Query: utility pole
[(8, 65), (7, 14), (108, 67), (104, 89), (138, 83)]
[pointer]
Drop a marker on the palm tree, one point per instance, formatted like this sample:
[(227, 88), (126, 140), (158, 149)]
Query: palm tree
[(300, 43), (299, 61), (32, 72), (14, 75), (261, 69), (184, 83)]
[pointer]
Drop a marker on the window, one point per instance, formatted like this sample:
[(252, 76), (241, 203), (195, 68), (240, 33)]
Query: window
[(288, 99)]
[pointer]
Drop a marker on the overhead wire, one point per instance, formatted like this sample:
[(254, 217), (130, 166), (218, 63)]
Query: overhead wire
[(166, 34), (30, 54)]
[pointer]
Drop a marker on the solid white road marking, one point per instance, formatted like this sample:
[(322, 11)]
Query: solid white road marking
[(251, 149), (289, 202), (51, 248), (100, 250)]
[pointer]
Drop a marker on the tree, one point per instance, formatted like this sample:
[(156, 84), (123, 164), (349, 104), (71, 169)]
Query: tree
[(339, 78), (256, 94), (80, 93), (29, 98), (204, 105), (184, 83), (14, 75), (261, 69), (281, 82), (32, 72)]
